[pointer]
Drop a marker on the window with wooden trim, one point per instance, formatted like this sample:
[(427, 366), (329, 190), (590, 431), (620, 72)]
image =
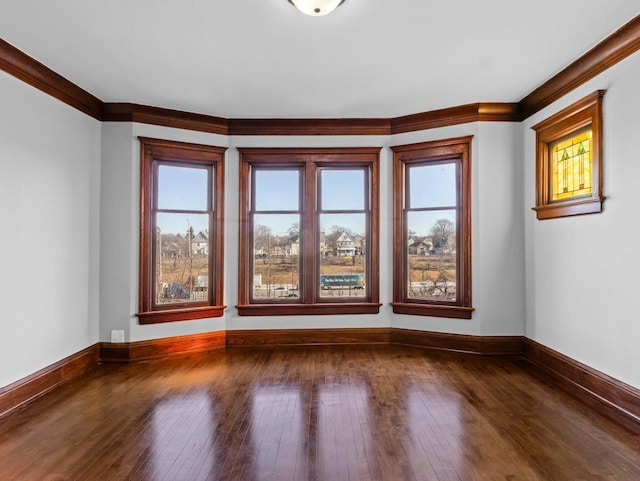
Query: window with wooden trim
[(432, 228), (181, 231), (308, 231), (569, 160)]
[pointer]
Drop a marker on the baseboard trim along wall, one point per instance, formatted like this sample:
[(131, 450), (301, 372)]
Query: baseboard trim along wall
[(39, 383), (605, 394), (307, 337), (600, 391), (483, 345), (161, 348)]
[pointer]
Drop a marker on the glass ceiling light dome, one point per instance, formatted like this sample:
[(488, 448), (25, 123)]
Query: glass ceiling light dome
[(316, 8)]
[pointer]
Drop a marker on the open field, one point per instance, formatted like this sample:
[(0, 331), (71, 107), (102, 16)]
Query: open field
[(430, 276)]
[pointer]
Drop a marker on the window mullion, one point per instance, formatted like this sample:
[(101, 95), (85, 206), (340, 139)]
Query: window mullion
[(309, 229)]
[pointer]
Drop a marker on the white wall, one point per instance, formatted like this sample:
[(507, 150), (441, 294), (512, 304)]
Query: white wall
[(582, 272), (49, 238), (120, 236), (496, 232), (498, 248)]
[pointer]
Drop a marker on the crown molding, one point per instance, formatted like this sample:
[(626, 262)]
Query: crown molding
[(461, 114), (610, 51), (616, 47), (17, 63), (145, 114), (309, 126)]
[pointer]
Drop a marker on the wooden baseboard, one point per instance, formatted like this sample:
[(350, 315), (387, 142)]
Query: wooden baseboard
[(39, 383), (484, 345), (487, 345), (161, 348), (306, 337), (605, 394)]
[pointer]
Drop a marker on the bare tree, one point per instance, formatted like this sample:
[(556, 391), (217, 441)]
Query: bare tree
[(263, 238), (442, 231)]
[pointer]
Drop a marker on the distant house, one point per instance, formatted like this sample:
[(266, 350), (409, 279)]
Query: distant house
[(200, 244), (345, 245), (421, 246)]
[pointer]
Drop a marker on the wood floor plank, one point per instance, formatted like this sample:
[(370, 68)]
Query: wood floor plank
[(368, 413)]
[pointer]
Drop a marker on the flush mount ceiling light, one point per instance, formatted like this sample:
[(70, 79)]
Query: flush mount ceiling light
[(316, 8)]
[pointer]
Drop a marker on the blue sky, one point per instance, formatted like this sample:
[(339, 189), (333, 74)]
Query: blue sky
[(186, 188)]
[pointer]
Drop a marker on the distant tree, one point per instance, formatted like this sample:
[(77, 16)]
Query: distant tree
[(442, 232), (262, 238)]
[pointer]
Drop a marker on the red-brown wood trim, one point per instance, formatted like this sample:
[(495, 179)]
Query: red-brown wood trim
[(614, 398), (17, 63), (304, 337), (461, 114), (553, 211), (459, 148), (145, 114), (434, 310), (616, 47), (309, 126), (317, 309), (151, 151), (307, 159), (35, 385), (161, 348), (186, 314), (485, 345), (585, 112)]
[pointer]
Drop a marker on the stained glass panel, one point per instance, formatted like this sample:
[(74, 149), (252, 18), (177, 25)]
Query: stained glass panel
[(571, 166)]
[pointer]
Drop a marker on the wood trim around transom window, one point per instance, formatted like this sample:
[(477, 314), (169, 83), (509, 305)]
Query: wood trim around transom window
[(586, 112)]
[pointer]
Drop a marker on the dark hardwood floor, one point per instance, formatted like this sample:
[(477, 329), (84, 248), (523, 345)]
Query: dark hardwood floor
[(322, 413)]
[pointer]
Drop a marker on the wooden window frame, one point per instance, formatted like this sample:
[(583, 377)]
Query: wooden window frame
[(459, 150), (310, 160), (155, 152), (584, 113)]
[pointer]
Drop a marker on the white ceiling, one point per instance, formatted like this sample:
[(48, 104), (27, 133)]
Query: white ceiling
[(262, 58)]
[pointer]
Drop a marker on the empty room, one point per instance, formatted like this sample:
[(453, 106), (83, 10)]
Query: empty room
[(319, 240)]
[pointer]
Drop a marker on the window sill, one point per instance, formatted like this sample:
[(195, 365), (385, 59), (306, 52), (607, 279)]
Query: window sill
[(433, 310), (183, 314), (568, 208), (307, 309)]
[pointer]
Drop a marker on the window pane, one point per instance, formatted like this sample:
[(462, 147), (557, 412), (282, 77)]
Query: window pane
[(182, 258), (182, 188), (277, 190), (342, 190), (276, 256), (432, 185), (432, 255), (342, 255)]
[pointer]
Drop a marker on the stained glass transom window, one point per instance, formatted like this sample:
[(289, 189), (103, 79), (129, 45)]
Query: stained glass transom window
[(571, 162)]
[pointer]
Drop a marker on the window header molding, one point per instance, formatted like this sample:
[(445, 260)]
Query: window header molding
[(616, 47)]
